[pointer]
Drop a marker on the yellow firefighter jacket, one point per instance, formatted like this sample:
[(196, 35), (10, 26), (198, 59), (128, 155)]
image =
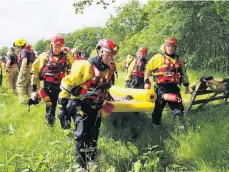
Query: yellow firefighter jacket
[(41, 62), (158, 61), (81, 72)]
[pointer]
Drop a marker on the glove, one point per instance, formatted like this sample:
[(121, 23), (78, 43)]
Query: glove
[(34, 96), (63, 114)]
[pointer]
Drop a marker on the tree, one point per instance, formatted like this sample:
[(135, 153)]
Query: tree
[(41, 45), (3, 51), (79, 6), (129, 21), (87, 38)]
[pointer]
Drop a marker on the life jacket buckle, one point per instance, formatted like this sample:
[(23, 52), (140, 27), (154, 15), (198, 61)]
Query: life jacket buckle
[(169, 73)]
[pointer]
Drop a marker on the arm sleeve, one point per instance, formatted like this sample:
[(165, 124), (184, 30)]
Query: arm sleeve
[(81, 71), (37, 66), (130, 70)]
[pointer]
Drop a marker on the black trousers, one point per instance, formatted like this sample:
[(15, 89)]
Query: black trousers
[(86, 132), (53, 92), (176, 107)]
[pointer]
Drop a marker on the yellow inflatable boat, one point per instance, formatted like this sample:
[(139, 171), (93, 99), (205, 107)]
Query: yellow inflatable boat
[(132, 106), (130, 100), (142, 95)]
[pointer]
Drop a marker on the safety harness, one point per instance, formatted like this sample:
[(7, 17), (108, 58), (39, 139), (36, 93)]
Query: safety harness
[(169, 72), (55, 70), (93, 84)]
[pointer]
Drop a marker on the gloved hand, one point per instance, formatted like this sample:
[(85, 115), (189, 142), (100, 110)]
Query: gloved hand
[(34, 96), (63, 113)]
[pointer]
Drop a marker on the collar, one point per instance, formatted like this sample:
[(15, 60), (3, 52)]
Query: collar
[(97, 62)]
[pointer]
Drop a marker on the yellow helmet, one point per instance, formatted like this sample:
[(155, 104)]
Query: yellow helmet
[(19, 43)]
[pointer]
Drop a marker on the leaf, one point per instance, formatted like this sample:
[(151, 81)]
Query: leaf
[(137, 166)]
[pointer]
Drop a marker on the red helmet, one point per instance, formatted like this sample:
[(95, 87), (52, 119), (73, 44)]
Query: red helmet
[(142, 52), (108, 45), (171, 41), (58, 39)]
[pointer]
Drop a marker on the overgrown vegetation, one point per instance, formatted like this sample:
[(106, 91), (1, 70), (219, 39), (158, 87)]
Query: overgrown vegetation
[(127, 141)]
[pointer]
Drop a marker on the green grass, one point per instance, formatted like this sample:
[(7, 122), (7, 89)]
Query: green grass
[(127, 142)]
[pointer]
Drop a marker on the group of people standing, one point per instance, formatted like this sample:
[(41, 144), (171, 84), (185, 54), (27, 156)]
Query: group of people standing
[(80, 87)]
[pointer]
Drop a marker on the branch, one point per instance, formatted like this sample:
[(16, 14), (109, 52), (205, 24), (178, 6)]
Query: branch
[(80, 6)]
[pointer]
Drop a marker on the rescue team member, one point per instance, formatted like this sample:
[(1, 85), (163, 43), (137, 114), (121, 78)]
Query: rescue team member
[(136, 69), (76, 55), (86, 76), (12, 69), (114, 72), (50, 67), (23, 84), (168, 72)]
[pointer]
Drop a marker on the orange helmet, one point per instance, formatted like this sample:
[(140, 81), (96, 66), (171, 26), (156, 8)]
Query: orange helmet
[(171, 41), (57, 39), (107, 45), (142, 52)]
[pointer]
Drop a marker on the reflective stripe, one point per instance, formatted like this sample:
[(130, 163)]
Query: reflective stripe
[(66, 87)]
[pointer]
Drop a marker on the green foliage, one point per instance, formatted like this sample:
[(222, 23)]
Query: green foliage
[(127, 22), (42, 45), (79, 6), (127, 141), (87, 38), (3, 51)]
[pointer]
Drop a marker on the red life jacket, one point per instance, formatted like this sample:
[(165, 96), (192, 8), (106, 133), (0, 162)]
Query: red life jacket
[(169, 72), (55, 69), (139, 68), (98, 80)]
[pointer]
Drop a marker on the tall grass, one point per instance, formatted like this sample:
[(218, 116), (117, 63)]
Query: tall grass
[(127, 141)]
